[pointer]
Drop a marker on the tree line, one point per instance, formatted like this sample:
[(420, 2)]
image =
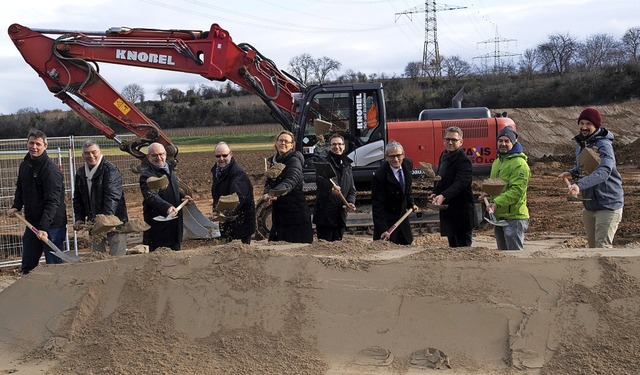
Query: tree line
[(561, 71)]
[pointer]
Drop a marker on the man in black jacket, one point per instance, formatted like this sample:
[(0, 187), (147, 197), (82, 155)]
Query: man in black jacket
[(161, 203), (454, 190), (98, 190), (329, 213), (40, 190), (391, 196), (229, 177)]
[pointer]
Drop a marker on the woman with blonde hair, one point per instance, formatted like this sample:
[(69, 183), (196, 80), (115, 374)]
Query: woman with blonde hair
[(291, 217)]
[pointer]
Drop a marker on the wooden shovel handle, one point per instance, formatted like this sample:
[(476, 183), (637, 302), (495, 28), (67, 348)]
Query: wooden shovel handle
[(402, 218), (486, 203), (184, 203), (28, 224), (344, 200)]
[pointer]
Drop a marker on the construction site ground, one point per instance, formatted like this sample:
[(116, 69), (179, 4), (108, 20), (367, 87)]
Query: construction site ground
[(355, 306)]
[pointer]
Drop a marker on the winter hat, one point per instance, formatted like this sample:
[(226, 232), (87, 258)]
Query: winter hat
[(592, 115), (508, 132)]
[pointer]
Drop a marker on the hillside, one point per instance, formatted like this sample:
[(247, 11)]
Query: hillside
[(549, 131)]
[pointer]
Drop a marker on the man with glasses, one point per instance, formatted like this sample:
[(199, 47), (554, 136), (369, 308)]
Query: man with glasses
[(391, 196), (228, 177), (162, 202), (454, 190), (98, 191), (329, 211)]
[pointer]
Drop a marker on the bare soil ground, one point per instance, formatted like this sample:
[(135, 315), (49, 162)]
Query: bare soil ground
[(354, 307)]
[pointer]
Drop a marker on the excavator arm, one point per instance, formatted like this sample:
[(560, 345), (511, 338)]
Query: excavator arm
[(68, 66)]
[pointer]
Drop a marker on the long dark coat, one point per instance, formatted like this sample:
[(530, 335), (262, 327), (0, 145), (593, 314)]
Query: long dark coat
[(162, 233), (234, 179), (291, 216), (456, 173), (107, 194), (328, 210), (389, 202)]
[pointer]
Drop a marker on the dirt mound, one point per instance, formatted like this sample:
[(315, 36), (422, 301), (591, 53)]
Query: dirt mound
[(314, 309)]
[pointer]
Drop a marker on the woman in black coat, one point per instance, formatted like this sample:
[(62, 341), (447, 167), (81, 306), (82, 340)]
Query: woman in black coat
[(291, 217), (454, 190)]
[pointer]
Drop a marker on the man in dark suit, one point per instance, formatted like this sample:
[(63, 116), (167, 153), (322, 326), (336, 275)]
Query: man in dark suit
[(391, 196), (454, 190)]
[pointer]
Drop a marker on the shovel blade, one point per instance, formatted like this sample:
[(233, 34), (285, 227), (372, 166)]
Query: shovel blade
[(497, 223), (165, 218)]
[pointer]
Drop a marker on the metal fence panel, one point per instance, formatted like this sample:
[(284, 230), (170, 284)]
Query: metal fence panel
[(67, 153)]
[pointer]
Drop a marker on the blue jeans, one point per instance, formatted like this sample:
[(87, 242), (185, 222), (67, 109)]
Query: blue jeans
[(32, 248)]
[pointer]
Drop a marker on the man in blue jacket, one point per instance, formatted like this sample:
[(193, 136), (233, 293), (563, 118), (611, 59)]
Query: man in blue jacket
[(596, 176), (40, 190)]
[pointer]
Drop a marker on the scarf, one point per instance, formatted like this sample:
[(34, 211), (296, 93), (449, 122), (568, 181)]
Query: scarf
[(90, 172)]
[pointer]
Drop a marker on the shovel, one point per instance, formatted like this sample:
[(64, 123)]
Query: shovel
[(395, 225), (326, 170), (571, 197), (56, 251), (173, 215), (492, 218)]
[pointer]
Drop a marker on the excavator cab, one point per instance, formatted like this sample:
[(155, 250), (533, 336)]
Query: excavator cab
[(351, 110)]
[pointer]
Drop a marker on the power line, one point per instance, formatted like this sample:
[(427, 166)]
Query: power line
[(431, 61), (497, 54)]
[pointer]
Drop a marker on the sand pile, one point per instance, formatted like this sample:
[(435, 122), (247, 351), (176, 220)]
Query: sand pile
[(355, 307)]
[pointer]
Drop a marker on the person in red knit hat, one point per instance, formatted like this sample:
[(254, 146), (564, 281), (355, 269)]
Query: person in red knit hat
[(595, 176)]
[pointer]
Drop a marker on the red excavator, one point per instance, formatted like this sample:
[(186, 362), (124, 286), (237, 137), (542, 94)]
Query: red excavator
[(67, 61)]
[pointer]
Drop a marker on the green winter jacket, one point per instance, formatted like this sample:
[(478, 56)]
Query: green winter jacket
[(512, 168)]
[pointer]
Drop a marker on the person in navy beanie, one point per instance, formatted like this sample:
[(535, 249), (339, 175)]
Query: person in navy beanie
[(596, 177)]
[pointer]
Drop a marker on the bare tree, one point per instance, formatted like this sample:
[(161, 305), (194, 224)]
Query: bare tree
[(413, 69), (133, 92), (455, 67), (529, 62), (631, 43), (598, 51), (302, 67), (325, 66), (556, 54), (161, 92)]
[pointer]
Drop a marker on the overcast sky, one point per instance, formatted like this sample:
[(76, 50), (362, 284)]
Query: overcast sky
[(364, 35)]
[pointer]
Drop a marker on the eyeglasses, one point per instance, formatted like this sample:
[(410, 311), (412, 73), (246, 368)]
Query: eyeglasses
[(222, 156), (397, 156), (454, 140), (158, 155), (284, 141), (337, 144)]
